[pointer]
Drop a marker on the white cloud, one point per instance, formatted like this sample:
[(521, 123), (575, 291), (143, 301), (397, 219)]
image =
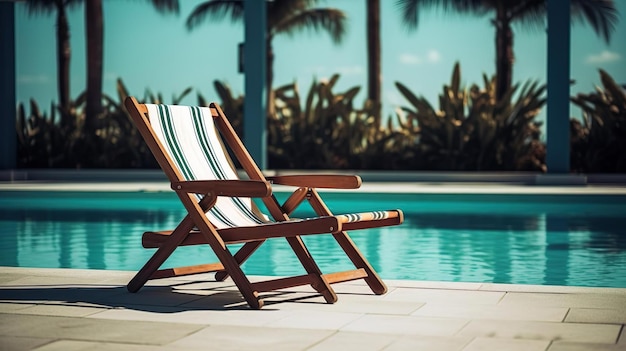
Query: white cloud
[(34, 79), (603, 57), (410, 59), (432, 56), (324, 72), (394, 98), (350, 70), (317, 69)]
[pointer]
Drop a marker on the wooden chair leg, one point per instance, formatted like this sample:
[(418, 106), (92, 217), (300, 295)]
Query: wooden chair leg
[(321, 285), (162, 254), (241, 256), (239, 278), (373, 280), (221, 251)]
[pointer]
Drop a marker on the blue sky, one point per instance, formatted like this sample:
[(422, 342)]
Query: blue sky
[(152, 51)]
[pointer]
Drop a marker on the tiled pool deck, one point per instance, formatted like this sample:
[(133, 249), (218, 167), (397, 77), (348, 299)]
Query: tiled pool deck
[(63, 309)]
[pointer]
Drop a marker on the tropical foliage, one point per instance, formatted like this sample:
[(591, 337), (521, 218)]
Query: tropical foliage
[(600, 14), (598, 144), (472, 130), (327, 131), (61, 140), (324, 129)]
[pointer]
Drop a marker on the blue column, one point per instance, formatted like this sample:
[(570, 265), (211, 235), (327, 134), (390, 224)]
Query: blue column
[(558, 148), (254, 110), (8, 139)]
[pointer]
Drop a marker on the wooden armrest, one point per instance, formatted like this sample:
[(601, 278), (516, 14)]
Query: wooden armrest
[(245, 188), (331, 181)]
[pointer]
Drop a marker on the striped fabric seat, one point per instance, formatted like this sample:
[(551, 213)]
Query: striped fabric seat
[(188, 134)]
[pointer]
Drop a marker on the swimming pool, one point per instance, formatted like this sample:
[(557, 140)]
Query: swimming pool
[(576, 240)]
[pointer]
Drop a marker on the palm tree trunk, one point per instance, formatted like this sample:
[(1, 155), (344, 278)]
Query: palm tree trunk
[(269, 92), (504, 54), (373, 56), (94, 28), (63, 57)]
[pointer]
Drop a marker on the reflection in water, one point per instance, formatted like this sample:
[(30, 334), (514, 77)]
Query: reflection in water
[(557, 259), (567, 247)]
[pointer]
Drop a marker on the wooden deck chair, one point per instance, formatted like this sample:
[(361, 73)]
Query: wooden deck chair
[(189, 145)]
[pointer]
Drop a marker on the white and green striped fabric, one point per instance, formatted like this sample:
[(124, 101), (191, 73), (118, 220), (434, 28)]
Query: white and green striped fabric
[(188, 135)]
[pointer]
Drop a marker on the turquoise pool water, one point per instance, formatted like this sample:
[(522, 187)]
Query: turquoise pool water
[(522, 239)]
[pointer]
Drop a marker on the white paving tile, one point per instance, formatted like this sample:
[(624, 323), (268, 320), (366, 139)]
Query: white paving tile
[(493, 312), (497, 344), (420, 342), (354, 341), (206, 317), (371, 306), (590, 333), (250, 338), (445, 296), (8, 307), (18, 343), (387, 324), (597, 315), (76, 345), (64, 310), (315, 320), (580, 300), (577, 346)]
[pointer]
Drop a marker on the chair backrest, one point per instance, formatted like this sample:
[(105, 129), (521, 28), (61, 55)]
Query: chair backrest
[(189, 137)]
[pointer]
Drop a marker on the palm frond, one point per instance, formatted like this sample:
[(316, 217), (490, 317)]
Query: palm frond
[(602, 15), (279, 9), (531, 14), (331, 20), (217, 10), (47, 7), (166, 6), (410, 9)]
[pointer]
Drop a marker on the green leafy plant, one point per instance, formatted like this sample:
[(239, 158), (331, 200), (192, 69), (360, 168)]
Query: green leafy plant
[(324, 132), (598, 144), (472, 130), (329, 132), (62, 140)]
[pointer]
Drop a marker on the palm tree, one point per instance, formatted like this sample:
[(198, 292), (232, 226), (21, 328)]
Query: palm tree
[(94, 28), (283, 17), (600, 14), (63, 42), (373, 55), (94, 33), (94, 42)]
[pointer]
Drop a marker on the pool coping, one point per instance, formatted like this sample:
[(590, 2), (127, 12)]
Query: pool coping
[(388, 182), (498, 177)]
